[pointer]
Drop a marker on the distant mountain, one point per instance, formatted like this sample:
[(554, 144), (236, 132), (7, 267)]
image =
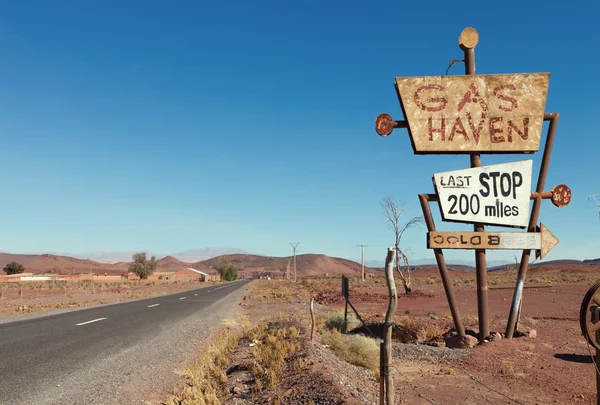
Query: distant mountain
[(109, 256), (196, 255), (431, 262), (189, 256), (595, 262), (170, 263), (306, 265)]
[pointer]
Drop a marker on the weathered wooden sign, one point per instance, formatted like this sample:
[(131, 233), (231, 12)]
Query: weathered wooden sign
[(495, 195), (478, 113), (542, 241)]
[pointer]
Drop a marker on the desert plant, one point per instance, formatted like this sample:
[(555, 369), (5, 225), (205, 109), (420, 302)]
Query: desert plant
[(141, 266), (355, 349), (13, 268), (230, 274), (335, 320)]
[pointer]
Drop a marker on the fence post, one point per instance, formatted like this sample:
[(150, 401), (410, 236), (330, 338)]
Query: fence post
[(312, 320), (381, 373), (345, 285), (388, 325)]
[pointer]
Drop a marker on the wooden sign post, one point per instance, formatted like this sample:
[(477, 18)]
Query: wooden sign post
[(482, 114), (543, 241)]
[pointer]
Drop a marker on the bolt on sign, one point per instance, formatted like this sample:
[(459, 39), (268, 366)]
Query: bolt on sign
[(474, 114), (495, 195), (543, 241)]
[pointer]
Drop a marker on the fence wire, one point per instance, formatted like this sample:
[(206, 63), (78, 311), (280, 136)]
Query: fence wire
[(479, 383)]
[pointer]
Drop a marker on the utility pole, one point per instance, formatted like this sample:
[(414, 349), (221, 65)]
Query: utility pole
[(596, 198), (294, 245), (362, 255)]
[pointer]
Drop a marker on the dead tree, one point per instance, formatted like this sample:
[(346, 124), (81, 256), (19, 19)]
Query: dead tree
[(393, 214)]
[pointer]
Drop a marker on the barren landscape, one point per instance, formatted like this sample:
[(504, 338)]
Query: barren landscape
[(266, 356)]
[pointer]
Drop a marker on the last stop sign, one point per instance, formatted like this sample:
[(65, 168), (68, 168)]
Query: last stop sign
[(493, 195)]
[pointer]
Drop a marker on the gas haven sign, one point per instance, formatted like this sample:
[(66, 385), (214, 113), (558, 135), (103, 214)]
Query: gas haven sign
[(494, 195)]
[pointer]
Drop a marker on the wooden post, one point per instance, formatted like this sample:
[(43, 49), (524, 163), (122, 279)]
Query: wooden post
[(345, 288), (346, 317), (388, 325), (312, 320), (21, 291), (381, 376), (381, 373)]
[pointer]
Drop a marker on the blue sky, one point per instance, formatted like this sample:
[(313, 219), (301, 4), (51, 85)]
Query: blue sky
[(177, 126)]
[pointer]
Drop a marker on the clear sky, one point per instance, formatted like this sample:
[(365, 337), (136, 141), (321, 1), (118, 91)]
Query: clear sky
[(167, 126)]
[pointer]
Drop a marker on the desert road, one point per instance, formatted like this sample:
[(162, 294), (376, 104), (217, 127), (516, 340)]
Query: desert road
[(87, 356)]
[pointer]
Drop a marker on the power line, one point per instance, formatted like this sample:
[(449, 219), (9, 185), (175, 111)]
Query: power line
[(294, 245)]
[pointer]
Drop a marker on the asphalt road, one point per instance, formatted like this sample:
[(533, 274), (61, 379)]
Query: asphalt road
[(38, 355)]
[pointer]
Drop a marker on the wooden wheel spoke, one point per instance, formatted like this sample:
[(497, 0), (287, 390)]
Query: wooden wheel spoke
[(594, 328)]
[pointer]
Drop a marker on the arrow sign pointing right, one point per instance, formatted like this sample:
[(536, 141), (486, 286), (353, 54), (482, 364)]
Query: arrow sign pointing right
[(542, 241), (548, 242)]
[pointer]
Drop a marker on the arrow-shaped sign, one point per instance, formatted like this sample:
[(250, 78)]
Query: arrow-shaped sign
[(542, 241)]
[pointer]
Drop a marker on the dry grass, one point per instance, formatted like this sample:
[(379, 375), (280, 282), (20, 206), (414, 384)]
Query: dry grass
[(206, 377), (275, 343), (271, 291), (335, 320), (509, 370), (425, 330), (355, 349)]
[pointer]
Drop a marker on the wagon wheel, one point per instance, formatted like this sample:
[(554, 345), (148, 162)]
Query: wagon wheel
[(588, 326)]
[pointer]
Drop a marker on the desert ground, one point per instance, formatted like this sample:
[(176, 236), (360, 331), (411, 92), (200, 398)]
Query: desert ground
[(264, 354), (30, 297), (268, 357)]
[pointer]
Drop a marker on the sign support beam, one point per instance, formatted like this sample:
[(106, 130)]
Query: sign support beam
[(533, 219), (468, 40)]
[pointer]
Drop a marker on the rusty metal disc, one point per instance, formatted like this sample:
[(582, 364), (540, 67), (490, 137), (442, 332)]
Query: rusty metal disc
[(588, 327), (469, 38), (561, 195), (384, 124)]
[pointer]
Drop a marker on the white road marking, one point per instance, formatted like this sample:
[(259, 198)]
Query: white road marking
[(207, 290), (195, 295), (93, 320), (153, 305), (182, 298)]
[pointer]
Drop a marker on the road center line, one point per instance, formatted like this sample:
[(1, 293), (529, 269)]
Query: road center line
[(153, 305), (93, 320), (195, 295), (182, 298)]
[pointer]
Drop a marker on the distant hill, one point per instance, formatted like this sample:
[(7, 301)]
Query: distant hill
[(46, 263), (594, 262), (170, 263), (187, 256), (250, 265), (306, 265)]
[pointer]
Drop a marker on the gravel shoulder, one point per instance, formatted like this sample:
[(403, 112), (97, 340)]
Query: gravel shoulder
[(145, 370)]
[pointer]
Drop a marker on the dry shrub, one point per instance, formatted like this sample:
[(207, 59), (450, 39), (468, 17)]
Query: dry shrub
[(509, 370), (425, 330), (207, 375), (355, 349), (335, 320), (277, 344)]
